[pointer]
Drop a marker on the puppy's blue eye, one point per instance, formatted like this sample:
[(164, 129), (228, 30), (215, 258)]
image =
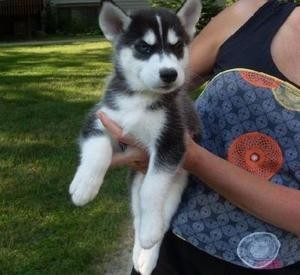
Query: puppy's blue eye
[(178, 45), (143, 48)]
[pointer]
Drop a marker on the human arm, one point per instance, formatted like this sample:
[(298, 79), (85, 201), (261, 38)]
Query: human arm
[(272, 203), (134, 156), (276, 204)]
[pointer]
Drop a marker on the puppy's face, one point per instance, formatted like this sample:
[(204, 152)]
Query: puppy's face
[(152, 53), (151, 45)]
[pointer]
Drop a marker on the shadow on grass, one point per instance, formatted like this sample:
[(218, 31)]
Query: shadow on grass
[(43, 101)]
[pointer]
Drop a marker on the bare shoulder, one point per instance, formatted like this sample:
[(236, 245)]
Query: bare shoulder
[(232, 18), (206, 44), (295, 18), (247, 7)]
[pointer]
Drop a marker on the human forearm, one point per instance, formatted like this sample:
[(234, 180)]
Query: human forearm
[(275, 204)]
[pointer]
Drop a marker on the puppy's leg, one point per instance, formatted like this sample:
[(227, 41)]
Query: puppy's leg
[(153, 195), (96, 155), (144, 260), (174, 197), (148, 257), (166, 155), (135, 205)]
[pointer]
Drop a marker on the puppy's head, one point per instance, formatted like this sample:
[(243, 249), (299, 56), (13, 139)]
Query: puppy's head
[(151, 44)]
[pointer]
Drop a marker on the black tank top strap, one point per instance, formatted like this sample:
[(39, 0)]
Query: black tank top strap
[(267, 20), (250, 46)]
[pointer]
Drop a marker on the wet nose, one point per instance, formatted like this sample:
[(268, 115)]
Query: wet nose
[(168, 75)]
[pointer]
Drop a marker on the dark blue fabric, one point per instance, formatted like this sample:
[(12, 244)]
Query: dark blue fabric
[(178, 257), (230, 107)]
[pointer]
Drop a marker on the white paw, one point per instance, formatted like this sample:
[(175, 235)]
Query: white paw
[(135, 255), (151, 231), (84, 188), (147, 260)]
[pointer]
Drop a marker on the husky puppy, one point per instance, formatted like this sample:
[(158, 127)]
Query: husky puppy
[(146, 97)]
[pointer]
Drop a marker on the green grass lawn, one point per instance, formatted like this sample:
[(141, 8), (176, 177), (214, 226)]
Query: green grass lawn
[(45, 92)]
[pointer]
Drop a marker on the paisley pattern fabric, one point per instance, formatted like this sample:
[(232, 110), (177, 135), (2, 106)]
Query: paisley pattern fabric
[(253, 120)]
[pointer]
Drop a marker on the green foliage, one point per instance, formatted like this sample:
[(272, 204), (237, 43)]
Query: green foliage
[(50, 19), (75, 22), (71, 20), (229, 2), (45, 93), (210, 9), (170, 4)]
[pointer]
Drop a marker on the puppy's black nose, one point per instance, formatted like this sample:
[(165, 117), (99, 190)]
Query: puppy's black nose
[(168, 75)]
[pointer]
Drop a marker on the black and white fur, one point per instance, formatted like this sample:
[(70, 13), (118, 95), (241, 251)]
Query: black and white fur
[(146, 97)]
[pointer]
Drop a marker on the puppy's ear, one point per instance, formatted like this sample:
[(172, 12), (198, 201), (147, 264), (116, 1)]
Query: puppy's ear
[(189, 14), (112, 20)]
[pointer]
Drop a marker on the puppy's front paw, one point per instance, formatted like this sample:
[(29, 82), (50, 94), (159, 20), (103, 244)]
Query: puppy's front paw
[(84, 188), (151, 231)]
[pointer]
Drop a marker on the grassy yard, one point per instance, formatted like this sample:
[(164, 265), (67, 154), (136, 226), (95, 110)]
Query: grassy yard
[(45, 92)]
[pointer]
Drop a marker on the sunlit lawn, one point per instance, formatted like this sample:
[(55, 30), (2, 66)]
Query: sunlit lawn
[(45, 92)]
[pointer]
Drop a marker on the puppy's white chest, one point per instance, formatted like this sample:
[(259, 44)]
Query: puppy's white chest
[(136, 119)]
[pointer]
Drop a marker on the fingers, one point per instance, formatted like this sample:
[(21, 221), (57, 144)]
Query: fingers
[(134, 157), (115, 130), (119, 159), (132, 154), (140, 167), (190, 155), (187, 139)]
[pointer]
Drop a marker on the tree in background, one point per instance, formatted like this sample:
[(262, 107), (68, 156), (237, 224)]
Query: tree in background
[(61, 22), (210, 7), (49, 18)]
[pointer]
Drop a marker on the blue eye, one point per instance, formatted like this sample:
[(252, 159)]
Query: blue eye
[(178, 46), (143, 48)]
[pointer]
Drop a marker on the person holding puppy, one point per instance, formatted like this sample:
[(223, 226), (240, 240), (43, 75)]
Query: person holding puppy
[(240, 213)]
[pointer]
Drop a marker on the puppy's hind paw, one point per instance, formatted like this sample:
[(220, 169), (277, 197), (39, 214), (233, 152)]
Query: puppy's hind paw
[(135, 255), (147, 260), (150, 234)]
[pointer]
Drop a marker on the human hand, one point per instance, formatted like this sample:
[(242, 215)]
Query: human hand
[(134, 156), (191, 151)]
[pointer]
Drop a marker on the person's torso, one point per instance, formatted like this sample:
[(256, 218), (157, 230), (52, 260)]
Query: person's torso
[(251, 46), (246, 113)]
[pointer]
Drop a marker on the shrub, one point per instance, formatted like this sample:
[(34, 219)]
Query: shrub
[(210, 8), (50, 19)]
